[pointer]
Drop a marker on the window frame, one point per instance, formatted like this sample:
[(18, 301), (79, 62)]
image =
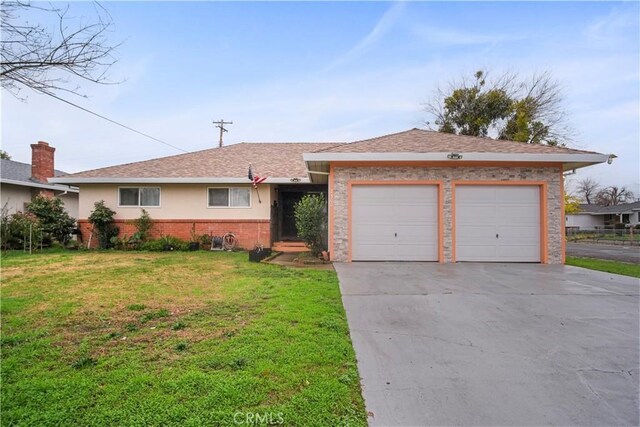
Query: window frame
[(120, 205), (229, 198)]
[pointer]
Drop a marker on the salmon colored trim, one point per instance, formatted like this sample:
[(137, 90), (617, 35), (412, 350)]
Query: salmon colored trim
[(331, 209), (543, 212), (418, 182), (562, 221), (451, 164), (185, 221)]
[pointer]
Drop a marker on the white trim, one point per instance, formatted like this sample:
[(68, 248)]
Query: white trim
[(140, 206), (169, 180), (38, 185), (230, 207), (484, 157)]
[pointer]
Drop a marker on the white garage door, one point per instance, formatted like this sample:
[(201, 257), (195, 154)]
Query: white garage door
[(394, 223), (498, 223)]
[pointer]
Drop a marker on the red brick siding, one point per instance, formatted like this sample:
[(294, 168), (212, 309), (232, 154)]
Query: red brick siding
[(42, 161), (248, 231)]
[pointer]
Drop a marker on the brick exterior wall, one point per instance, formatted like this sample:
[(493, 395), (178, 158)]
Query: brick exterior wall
[(343, 175), (249, 232)]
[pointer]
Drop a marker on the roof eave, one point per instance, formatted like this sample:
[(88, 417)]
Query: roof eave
[(175, 180), (570, 161), (55, 186)]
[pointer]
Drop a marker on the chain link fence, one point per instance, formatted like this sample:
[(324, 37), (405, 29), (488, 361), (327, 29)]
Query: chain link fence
[(620, 236)]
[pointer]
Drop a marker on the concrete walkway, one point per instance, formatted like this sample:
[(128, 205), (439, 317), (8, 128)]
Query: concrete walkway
[(604, 251), (494, 344)]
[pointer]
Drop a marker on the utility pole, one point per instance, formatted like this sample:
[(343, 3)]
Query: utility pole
[(220, 124)]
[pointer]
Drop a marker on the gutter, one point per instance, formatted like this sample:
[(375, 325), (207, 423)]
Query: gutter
[(172, 180), (461, 156), (58, 187)]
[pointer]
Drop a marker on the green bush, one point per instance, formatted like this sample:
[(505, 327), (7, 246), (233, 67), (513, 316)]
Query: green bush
[(158, 245), (143, 226), (311, 221), (17, 231), (55, 221), (102, 220)]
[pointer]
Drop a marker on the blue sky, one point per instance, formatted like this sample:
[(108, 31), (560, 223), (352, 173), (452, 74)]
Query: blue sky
[(334, 71)]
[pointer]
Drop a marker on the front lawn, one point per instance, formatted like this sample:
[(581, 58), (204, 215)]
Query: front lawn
[(616, 267), (189, 339)]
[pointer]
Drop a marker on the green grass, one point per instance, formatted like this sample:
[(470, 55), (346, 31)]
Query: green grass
[(188, 339), (616, 267)]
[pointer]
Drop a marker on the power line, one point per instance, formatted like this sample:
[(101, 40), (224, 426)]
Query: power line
[(113, 121)]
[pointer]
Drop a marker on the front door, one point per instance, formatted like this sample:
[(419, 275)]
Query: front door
[(288, 229)]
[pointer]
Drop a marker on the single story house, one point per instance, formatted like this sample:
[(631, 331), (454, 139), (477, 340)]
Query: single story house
[(594, 216), (21, 182), (412, 196)]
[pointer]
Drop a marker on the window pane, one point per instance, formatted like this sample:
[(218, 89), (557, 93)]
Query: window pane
[(218, 197), (128, 197), (240, 197), (150, 196)]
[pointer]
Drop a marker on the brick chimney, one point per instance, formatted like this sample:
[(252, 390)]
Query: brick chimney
[(41, 161)]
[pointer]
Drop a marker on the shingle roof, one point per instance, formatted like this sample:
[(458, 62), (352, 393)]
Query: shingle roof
[(603, 210), (17, 171), (283, 160), (424, 141)]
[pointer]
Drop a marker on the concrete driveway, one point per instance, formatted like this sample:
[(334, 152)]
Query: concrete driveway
[(494, 344), (604, 251)]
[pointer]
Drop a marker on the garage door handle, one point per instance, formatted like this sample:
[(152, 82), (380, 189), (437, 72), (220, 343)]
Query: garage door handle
[(396, 234), (497, 236)]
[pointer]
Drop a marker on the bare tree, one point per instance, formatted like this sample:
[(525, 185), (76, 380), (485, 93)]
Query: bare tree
[(613, 195), (588, 188), (35, 57)]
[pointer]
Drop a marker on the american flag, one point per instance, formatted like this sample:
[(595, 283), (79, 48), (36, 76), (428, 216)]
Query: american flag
[(255, 179)]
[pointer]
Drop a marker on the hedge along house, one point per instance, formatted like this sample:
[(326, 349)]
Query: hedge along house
[(411, 196), (209, 189)]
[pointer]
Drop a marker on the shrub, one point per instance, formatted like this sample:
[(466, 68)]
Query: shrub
[(19, 230), (102, 220), (165, 241), (311, 221), (54, 220), (143, 226)]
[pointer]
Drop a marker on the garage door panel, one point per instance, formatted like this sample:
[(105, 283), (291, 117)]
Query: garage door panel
[(382, 214), (478, 252), (394, 222), (375, 252), (512, 213), (416, 215), (416, 252), (518, 232), (509, 195), (416, 234), (371, 233), (476, 231), (518, 253), (480, 214)]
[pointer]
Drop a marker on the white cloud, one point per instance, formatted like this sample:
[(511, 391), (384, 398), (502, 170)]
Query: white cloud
[(382, 27)]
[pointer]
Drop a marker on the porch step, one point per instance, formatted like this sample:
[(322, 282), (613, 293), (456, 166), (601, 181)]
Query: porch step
[(289, 247)]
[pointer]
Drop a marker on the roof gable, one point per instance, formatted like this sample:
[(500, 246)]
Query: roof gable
[(424, 141)]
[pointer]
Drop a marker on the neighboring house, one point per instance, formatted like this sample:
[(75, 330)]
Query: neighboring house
[(415, 195), (594, 216), (20, 182)]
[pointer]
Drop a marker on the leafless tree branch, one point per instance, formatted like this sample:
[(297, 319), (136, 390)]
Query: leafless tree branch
[(32, 56)]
